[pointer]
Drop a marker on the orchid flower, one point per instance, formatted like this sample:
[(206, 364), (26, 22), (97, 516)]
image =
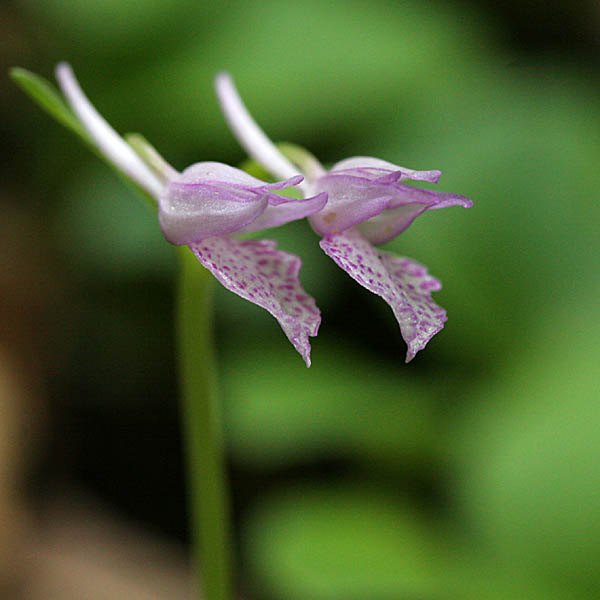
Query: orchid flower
[(201, 206), (368, 204)]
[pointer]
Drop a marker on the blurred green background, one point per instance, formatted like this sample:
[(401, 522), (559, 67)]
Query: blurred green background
[(473, 472)]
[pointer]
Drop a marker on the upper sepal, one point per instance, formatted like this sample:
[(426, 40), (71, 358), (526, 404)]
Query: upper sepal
[(212, 199), (376, 169), (370, 193)]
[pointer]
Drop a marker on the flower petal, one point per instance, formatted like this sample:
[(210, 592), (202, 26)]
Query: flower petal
[(273, 216), (187, 216), (280, 185), (381, 207), (219, 173), (109, 142), (446, 199), (373, 168), (248, 133), (258, 272), (403, 283), (211, 198), (387, 225), (356, 195), (352, 200), (406, 206)]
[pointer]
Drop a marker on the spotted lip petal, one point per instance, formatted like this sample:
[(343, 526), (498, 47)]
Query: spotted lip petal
[(258, 272), (210, 199), (403, 283)]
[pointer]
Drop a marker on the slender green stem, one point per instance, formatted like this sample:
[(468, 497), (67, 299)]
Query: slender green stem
[(207, 487)]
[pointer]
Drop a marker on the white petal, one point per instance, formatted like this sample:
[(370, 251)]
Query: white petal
[(110, 143), (249, 134)]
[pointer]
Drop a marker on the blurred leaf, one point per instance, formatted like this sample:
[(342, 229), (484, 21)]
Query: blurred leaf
[(280, 412), (530, 451), (309, 53), (112, 26), (48, 98), (350, 542), (341, 544), (43, 93)]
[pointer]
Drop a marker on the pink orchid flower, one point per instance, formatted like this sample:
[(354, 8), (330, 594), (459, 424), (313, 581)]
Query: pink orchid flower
[(368, 204), (203, 205)]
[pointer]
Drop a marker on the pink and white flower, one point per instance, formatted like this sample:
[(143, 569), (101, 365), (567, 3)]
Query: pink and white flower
[(368, 204), (203, 205)]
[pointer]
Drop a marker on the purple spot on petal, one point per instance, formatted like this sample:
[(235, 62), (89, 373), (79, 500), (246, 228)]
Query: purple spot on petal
[(267, 277), (403, 283)]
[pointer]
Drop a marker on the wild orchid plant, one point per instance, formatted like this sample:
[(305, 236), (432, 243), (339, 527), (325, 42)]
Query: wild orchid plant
[(358, 203)]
